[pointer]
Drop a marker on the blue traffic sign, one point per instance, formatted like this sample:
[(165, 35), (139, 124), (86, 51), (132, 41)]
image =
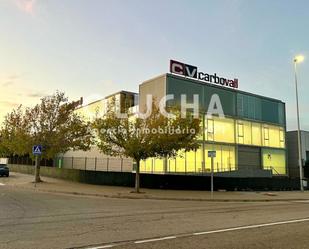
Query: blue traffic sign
[(37, 150)]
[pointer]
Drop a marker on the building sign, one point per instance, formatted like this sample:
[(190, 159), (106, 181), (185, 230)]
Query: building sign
[(186, 70)]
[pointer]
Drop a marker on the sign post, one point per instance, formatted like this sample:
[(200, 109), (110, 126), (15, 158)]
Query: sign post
[(37, 151), (212, 154)]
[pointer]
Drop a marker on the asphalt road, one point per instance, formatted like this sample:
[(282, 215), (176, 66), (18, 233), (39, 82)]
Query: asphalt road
[(36, 220)]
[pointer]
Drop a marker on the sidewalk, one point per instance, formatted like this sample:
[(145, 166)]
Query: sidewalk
[(52, 185)]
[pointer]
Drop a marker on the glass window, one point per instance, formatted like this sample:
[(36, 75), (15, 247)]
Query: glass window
[(209, 123), (248, 106), (190, 157), (256, 134), (240, 105), (228, 158), (270, 111), (147, 165), (244, 134), (200, 135), (181, 162), (199, 160), (265, 136), (282, 137), (240, 132), (224, 160), (171, 165), (281, 110), (142, 166), (223, 130), (274, 159), (274, 136), (159, 165)]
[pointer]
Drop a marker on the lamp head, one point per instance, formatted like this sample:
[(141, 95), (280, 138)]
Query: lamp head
[(299, 59)]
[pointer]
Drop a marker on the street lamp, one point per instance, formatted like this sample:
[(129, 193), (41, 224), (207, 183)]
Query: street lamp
[(298, 59)]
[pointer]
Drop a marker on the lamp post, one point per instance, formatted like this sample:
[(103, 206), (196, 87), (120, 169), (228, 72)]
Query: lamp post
[(298, 59)]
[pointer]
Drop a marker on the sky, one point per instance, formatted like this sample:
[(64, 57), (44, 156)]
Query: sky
[(92, 48)]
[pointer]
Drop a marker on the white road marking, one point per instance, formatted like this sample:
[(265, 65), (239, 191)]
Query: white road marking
[(252, 226), (2, 184), (101, 247), (153, 240), (303, 201), (209, 232)]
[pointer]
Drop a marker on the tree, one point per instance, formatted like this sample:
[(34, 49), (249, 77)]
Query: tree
[(15, 134), (53, 123), (140, 139)]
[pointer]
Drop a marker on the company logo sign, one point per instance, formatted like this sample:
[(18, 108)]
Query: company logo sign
[(186, 70)]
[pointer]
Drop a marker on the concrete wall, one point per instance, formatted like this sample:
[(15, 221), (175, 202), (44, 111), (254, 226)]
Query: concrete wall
[(156, 87), (91, 177), (94, 160), (198, 182)]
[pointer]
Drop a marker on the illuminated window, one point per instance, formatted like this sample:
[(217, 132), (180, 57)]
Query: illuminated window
[(191, 158), (200, 135), (159, 165), (244, 132), (147, 165), (282, 138), (273, 136), (220, 130), (228, 158), (224, 160), (210, 129), (240, 132), (142, 166), (274, 159), (171, 165), (181, 162), (256, 134), (265, 135), (199, 160)]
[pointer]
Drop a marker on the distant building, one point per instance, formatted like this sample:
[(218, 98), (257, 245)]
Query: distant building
[(123, 100), (94, 159), (292, 146)]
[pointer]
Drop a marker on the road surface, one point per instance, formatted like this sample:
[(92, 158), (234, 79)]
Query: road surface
[(30, 219)]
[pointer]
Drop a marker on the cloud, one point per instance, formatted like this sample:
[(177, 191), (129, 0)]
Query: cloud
[(26, 6), (35, 95), (8, 103), (10, 80), (7, 83)]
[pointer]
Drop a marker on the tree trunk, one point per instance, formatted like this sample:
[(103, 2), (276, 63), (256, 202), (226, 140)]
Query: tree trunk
[(37, 170), (137, 176)]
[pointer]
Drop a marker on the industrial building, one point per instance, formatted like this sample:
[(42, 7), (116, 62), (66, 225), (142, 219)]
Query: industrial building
[(249, 141)]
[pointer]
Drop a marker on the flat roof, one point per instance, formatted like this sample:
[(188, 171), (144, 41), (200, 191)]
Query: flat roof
[(297, 131), (122, 91)]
